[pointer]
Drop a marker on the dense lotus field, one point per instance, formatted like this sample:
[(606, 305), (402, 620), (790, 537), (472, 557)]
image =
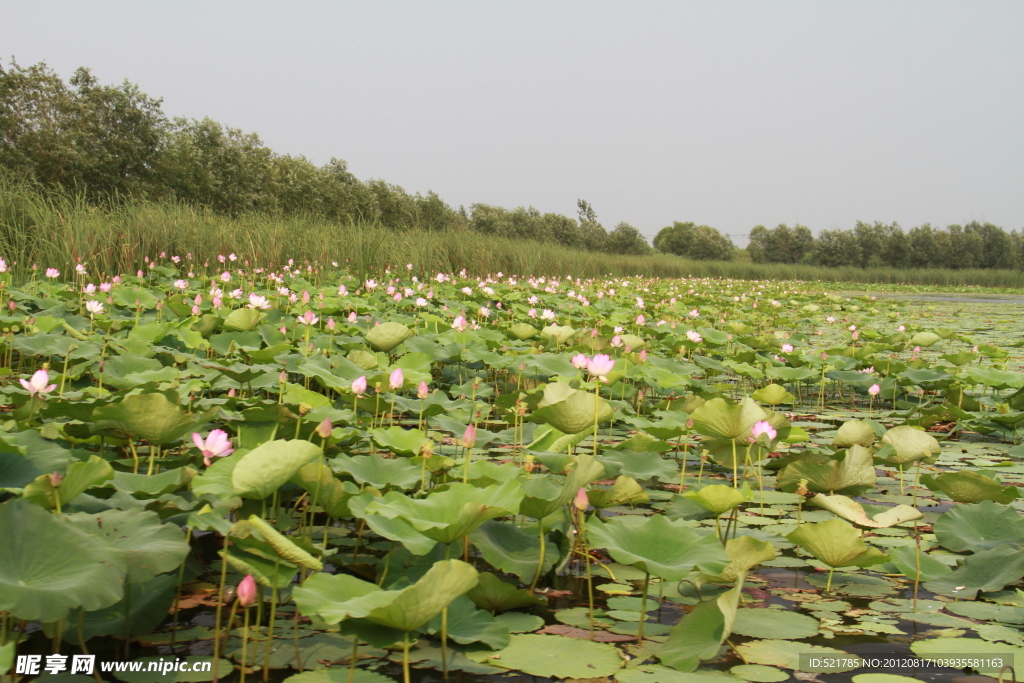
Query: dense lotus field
[(310, 477)]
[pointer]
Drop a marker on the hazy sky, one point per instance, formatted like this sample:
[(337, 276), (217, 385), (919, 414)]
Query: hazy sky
[(725, 113)]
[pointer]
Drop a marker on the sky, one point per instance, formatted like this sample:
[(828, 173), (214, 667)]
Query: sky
[(730, 114)]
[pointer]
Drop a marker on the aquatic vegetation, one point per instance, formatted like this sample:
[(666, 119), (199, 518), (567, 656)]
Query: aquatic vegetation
[(290, 466)]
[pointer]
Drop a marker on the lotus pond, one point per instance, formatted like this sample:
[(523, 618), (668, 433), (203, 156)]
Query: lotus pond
[(310, 477)]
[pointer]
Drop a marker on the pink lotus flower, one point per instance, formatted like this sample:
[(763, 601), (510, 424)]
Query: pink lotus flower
[(308, 318), (600, 365), (94, 307), (580, 500), (37, 385), (874, 390), (640, 320), (422, 391), (763, 427), (694, 336), (352, 317), (397, 379), (359, 386), (469, 437), (246, 591), (616, 341), (52, 273), (323, 430), (460, 324), (643, 355), (217, 445), (579, 361), (787, 348)]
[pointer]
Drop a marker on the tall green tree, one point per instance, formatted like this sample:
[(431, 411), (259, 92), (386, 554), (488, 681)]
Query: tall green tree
[(697, 242)]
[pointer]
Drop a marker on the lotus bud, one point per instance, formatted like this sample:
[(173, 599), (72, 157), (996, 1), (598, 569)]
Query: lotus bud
[(397, 379), (247, 591), (231, 392), (359, 386), (352, 317), (580, 501), (283, 377), (875, 390), (55, 480), (469, 437), (643, 355), (331, 324), (422, 391), (323, 430), (824, 356)]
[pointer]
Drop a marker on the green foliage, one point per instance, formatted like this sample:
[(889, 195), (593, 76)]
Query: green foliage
[(698, 242)]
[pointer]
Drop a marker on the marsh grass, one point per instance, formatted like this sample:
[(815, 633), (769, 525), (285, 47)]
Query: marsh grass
[(60, 230)]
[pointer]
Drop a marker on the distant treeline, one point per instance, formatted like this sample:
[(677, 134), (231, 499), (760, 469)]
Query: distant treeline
[(113, 143)]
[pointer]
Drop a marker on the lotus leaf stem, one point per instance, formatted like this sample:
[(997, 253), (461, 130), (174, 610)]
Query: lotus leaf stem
[(245, 643)]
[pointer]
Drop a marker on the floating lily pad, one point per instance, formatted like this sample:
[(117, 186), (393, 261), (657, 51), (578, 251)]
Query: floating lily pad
[(542, 655)]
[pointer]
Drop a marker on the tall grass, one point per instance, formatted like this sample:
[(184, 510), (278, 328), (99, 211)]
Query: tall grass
[(50, 229)]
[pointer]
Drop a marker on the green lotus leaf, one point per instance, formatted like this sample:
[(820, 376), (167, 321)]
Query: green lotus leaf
[(387, 336), (917, 565), (719, 498), (405, 610), (718, 419), (700, 633), (378, 471), (773, 395), (787, 655), (154, 485), (774, 623), (854, 433), (669, 550), (467, 624), (852, 511), (970, 487), (758, 673), (324, 490), (641, 466), (910, 445), (560, 333), (996, 378), (575, 412), (243, 319), (447, 516), (268, 467), (745, 553), (979, 526), (399, 440), (852, 474), (924, 339), (394, 529), (523, 331), (80, 477), (151, 417), (495, 595), (986, 611), (554, 656), (147, 604), (508, 548), (625, 491), (335, 597), (149, 547), (837, 544), (545, 495), (49, 567)]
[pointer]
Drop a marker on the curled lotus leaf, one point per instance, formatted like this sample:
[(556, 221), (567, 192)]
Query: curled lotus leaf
[(669, 550), (387, 336), (970, 487), (854, 433), (576, 412), (836, 543), (910, 445), (853, 511)]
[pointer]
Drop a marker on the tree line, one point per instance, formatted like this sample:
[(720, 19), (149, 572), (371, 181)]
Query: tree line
[(114, 142), (866, 245)]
